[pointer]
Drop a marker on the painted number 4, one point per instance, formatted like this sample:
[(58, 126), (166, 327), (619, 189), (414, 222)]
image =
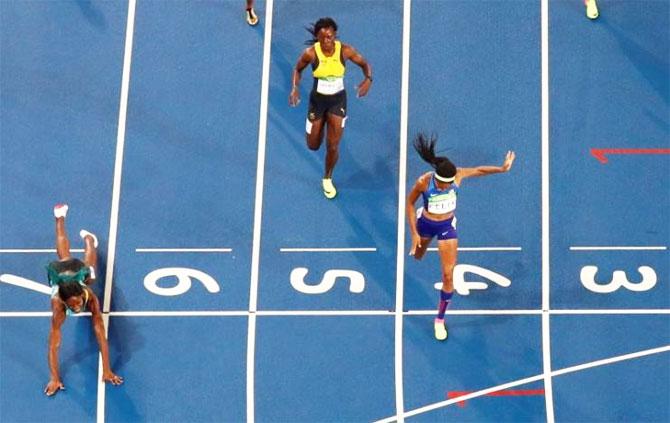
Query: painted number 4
[(463, 287)]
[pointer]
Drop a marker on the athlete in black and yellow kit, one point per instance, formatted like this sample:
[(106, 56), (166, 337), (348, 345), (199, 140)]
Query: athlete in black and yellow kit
[(328, 99)]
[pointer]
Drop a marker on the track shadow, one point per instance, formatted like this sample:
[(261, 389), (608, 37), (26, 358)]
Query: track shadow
[(93, 15)]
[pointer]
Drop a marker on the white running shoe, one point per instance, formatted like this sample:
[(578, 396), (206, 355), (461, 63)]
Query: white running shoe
[(84, 233), (60, 210), (440, 330)]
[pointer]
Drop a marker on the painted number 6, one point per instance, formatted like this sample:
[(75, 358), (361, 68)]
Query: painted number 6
[(184, 279)]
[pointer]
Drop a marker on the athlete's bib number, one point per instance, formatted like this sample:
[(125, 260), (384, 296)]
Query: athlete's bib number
[(329, 86), (442, 204)]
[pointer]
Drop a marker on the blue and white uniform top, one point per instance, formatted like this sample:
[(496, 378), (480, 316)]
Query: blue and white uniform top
[(438, 201)]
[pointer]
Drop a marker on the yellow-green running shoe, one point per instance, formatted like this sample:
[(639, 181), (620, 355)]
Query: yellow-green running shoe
[(591, 9), (328, 188), (251, 17)]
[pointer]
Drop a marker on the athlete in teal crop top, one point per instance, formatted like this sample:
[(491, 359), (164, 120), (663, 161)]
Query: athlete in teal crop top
[(70, 279)]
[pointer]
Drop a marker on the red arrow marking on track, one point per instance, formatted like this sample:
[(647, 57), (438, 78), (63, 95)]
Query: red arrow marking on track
[(504, 393), (599, 153)]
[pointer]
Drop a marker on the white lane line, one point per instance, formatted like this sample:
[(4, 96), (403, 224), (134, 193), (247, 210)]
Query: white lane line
[(36, 314), (304, 250), (527, 380), (458, 399), (279, 313), (25, 283), (258, 212), (328, 250), (116, 193), (245, 313), (546, 186), (613, 311), (482, 249), (619, 248), (183, 250), (402, 176), (275, 313), (171, 313), (473, 312), (611, 360), (118, 162), (35, 250)]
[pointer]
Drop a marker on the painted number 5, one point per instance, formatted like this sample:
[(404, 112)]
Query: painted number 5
[(356, 281)]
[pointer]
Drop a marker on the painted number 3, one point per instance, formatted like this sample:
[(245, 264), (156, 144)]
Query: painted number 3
[(619, 279)]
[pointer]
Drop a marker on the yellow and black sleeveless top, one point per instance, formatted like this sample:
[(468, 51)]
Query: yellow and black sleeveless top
[(328, 71)]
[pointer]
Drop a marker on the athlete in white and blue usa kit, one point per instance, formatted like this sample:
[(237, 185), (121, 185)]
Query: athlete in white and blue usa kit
[(437, 218)]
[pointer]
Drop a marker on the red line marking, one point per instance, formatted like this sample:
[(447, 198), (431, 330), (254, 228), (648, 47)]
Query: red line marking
[(599, 153), (503, 393)]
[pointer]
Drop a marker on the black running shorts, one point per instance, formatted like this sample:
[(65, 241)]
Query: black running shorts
[(320, 104)]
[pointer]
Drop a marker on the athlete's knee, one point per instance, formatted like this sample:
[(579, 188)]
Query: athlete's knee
[(447, 281), (334, 134), (313, 141), (447, 276), (314, 146), (419, 253), (448, 272), (333, 148)]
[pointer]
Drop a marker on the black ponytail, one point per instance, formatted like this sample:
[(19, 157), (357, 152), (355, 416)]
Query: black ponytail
[(425, 146)]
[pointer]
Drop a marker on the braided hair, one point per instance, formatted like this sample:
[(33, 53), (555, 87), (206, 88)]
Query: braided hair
[(70, 289)]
